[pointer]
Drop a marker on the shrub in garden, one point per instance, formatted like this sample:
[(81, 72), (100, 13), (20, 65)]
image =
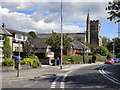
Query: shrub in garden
[(100, 58), (66, 59), (118, 55), (77, 59), (36, 64), (8, 62), (26, 61), (101, 50), (109, 55), (33, 56)]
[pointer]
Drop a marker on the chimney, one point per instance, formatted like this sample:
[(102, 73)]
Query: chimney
[(3, 25)]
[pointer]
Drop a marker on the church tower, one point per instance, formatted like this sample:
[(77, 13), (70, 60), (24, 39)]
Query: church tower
[(88, 28)]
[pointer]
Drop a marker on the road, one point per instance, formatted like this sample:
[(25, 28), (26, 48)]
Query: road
[(73, 76)]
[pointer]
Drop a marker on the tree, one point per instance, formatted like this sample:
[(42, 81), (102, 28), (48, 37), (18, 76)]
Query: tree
[(55, 42), (27, 48), (7, 48), (101, 50), (105, 41), (79, 39), (32, 34), (114, 11), (117, 45)]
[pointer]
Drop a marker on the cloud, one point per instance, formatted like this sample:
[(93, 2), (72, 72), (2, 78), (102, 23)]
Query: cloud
[(47, 16)]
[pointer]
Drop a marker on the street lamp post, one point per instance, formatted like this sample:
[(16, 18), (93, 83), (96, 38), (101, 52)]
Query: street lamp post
[(61, 36), (84, 48), (18, 71)]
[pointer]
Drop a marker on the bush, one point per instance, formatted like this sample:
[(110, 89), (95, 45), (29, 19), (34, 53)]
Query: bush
[(94, 56), (33, 56), (36, 64), (77, 59), (8, 62), (101, 50), (118, 55), (109, 55), (82, 53), (65, 59), (27, 61), (100, 58)]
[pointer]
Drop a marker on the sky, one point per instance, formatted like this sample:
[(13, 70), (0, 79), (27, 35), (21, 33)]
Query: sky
[(44, 17)]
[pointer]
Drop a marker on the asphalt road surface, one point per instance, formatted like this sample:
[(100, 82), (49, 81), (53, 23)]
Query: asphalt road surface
[(91, 76)]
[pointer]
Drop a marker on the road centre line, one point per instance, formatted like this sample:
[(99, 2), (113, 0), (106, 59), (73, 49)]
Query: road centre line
[(101, 70), (54, 83), (62, 84)]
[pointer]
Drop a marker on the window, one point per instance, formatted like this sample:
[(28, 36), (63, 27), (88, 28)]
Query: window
[(18, 36), (1, 37), (24, 37)]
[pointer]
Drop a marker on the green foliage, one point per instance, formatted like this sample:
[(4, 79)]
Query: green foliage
[(27, 61), (32, 34), (114, 13), (55, 42), (94, 56), (82, 53), (72, 59), (32, 56), (109, 55), (36, 64), (79, 38), (105, 41), (92, 46), (27, 49), (77, 59), (65, 59), (7, 48), (117, 45), (101, 50), (8, 62), (98, 57), (101, 58), (118, 55)]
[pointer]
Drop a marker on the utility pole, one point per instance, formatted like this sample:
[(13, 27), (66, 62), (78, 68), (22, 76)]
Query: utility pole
[(61, 36)]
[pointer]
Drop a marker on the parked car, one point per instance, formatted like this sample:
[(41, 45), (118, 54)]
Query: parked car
[(109, 61), (116, 60)]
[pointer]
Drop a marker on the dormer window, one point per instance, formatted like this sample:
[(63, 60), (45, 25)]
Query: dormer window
[(18, 36)]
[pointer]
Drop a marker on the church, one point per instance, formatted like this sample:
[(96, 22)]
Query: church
[(92, 35)]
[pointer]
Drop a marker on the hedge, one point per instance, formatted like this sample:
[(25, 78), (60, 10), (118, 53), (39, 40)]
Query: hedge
[(74, 59), (77, 59), (101, 58), (82, 53)]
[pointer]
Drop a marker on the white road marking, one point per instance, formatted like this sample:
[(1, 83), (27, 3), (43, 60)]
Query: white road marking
[(101, 70), (54, 83), (73, 68)]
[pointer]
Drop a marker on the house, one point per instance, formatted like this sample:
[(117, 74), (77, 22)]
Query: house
[(40, 46), (18, 40), (3, 32), (78, 47)]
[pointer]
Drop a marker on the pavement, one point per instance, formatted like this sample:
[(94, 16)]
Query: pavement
[(44, 72)]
